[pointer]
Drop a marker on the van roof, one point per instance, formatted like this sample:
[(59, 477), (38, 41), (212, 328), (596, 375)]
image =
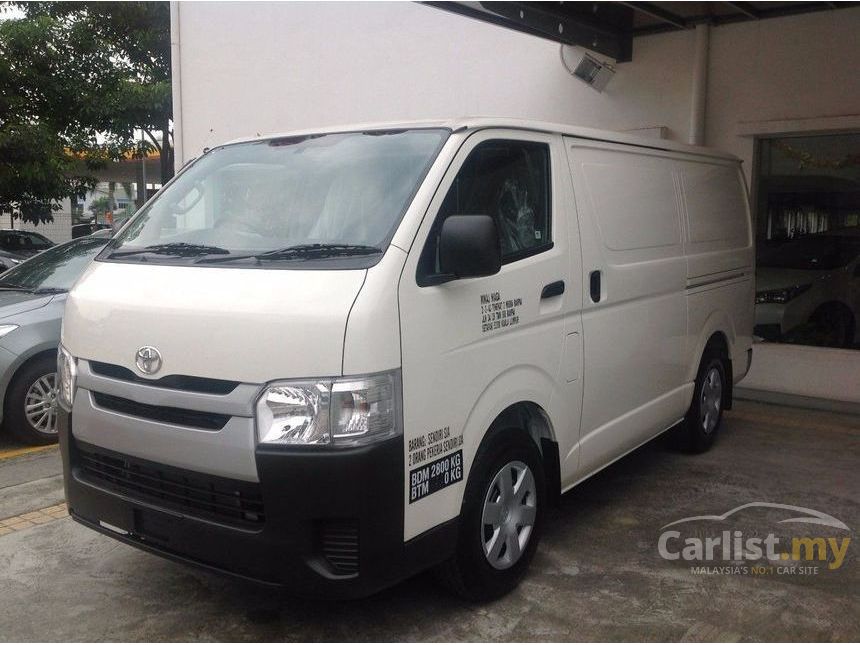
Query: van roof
[(482, 123)]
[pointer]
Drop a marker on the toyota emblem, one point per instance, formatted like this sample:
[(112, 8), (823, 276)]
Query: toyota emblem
[(148, 360)]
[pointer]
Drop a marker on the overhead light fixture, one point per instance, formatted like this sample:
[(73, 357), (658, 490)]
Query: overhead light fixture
[(586, 67)]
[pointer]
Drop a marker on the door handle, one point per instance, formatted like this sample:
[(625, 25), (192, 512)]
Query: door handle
[(552, 289), (594, 286)]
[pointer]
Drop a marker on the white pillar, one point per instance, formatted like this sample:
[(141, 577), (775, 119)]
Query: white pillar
[(699, 88), (176, 74)]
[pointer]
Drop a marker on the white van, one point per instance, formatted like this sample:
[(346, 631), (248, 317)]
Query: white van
[(331, 360)]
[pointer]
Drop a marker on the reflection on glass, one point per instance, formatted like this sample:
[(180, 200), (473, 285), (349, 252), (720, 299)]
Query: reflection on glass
[(54, 270), (284, 200), (808, 232)]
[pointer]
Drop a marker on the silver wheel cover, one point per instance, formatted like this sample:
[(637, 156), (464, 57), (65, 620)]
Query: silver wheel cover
[(711, 400), (508, 517)]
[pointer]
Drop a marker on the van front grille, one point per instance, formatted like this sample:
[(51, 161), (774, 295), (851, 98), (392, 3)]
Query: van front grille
[(175, 416), (219, 499), (172, 382)]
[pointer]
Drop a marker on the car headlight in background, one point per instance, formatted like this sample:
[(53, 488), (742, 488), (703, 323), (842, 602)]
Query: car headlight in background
[(780, 296), (344, 412), (6, 329), (67, 375)]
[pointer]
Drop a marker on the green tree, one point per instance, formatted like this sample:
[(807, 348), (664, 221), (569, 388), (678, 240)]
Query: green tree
[(78, 82)]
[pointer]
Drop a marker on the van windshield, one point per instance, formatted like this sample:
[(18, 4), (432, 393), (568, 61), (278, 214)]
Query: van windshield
[(334, 199)]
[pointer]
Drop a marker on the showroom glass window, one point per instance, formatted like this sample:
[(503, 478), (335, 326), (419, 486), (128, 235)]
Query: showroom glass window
[(808, 240)]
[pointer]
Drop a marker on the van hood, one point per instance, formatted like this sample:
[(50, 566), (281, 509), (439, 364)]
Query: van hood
[(247, 325), (770, 278)]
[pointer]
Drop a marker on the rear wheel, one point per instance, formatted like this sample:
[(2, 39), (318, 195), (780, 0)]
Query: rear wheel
[(705, 415), (31, 403), (501, 519)]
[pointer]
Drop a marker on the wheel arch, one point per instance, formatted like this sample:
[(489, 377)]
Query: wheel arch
[(23, 360), (718, 343), (522, 399), (837, 305)]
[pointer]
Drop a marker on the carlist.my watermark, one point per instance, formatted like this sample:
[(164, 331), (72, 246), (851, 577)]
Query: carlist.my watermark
[(712, 546)]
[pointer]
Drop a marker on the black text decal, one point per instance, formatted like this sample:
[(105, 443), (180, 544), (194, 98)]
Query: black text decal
[(435, 476)]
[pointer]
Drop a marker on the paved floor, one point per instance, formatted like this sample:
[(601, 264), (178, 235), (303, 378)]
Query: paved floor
[(597, 575)]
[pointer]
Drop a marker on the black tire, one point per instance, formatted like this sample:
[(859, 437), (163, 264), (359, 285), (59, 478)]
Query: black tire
[(15, 420), (469, 573), (695, 433)]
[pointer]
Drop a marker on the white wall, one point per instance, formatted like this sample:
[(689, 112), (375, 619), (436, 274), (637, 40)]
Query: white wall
[(802, 68), (270, 67), (60, 230), (250, 68)]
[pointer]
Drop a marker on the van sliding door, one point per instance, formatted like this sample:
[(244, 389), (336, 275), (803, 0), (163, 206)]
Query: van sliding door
[(634, 312)]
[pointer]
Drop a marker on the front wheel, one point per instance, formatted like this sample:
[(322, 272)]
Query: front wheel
[(500, 521), (31, 403)]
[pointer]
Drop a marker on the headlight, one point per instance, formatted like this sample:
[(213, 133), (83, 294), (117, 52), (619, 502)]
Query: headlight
[(294, 413), (780, 296), (5, 329), (345, 412), (67, 376)]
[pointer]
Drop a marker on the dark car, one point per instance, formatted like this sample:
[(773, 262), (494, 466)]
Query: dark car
[(9, 260), (24, 243), (32, 298)]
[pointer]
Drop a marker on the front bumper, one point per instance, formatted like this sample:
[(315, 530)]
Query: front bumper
[(333, 519)]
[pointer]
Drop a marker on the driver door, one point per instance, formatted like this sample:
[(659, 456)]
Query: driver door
[(472, 347)]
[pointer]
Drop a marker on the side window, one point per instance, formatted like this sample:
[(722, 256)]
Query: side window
[(509, 181)]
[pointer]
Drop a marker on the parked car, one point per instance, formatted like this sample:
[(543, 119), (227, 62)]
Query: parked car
[(808, 289), (25, 243), (9, 260), (332, 360), (88, 228), (32, 297)]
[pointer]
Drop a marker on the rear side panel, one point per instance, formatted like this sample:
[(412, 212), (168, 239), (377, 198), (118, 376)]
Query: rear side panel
[(720, 260)]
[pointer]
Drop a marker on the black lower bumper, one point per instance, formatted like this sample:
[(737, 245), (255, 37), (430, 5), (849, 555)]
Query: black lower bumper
[(333, 519)]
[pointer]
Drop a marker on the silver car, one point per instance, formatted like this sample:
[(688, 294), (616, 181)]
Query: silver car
[(32, 297)]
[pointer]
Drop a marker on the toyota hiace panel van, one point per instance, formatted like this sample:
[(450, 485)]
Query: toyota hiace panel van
[(329, 360)]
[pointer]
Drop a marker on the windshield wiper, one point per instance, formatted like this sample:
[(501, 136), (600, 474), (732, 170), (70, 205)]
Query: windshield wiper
[(300, 251), (14, 287), (319, 250), (47, 291), (180, 249)]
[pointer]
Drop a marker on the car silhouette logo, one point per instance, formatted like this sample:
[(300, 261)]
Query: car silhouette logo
[(148, 359)]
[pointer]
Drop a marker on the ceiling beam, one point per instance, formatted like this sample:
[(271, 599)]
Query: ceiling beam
[(654, 11), (745, 8), (558, 22)]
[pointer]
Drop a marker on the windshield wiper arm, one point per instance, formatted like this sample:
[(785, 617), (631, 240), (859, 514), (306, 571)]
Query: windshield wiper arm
[(299, 251), (319, 250), (181, 249)]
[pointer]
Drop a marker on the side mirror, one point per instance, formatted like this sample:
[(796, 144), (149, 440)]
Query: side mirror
[(469, 247)]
